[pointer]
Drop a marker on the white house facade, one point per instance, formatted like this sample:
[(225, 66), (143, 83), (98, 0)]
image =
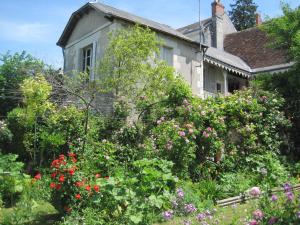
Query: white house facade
[(221, 71)]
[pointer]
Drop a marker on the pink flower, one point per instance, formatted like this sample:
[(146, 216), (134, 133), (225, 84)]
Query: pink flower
[(209, 129), (205, 134), (258, 214), (255, 192), (253, 222)]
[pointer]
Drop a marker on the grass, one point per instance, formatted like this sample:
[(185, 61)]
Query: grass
[(43, 213), (226, 215)]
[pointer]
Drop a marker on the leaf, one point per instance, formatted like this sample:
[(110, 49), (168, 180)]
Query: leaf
[(136, 219)]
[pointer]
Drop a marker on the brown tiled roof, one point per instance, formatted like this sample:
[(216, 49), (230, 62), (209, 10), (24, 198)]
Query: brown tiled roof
[(251, 45)]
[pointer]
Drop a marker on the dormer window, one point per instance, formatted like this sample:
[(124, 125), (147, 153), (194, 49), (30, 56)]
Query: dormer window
[(87, 59)]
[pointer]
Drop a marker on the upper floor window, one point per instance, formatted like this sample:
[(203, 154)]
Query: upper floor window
[(87, 59), (166, 54)]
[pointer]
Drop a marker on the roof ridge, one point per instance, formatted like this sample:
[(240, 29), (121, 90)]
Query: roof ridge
[(130, 13), (202, 21), (241, 31)]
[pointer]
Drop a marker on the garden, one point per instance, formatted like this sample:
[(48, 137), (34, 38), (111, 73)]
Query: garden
[(161, 155)]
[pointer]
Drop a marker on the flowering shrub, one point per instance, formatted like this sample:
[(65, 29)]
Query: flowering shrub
[(279, 208), (70, 186), (205, 138)]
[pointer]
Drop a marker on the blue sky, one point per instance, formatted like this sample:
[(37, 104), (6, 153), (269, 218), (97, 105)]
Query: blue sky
[(35, 25)]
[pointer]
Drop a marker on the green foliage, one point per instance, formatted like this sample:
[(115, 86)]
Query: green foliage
[(284, 33), (11, 179), (14, 69), (134, 198), (243, 14)]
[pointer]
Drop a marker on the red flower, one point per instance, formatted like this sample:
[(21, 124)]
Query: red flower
[(58, 187), (79, 184), (52, 185), (53, 175), (78, 196), (61, 178), (38, 176), (74, 160), (72, 172), (71, 154), (96, 188), (97, 175), (88, 188), (55, 163), (61, 157), (106, 178)]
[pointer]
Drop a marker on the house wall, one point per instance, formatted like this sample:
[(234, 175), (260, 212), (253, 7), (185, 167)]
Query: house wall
[(185, 56)]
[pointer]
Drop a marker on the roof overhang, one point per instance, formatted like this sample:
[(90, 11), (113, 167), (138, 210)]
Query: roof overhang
[(228, 67), (274, 69)]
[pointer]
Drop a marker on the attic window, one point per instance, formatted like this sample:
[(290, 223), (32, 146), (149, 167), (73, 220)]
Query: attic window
[(87, 59)]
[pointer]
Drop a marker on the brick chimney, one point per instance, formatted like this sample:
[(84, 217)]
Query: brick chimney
[(258, 19), (217, 8)]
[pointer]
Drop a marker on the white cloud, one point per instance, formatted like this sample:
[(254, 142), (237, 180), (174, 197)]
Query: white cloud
[(25, 32)]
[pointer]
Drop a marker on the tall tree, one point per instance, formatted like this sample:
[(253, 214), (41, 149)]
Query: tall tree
[(243, 14), (14, 69), (285, 34)]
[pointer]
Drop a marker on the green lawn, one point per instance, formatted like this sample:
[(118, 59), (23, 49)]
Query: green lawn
[(44, 213), (226, 216)]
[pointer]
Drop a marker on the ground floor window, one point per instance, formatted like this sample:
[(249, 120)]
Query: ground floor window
[(87, 59)]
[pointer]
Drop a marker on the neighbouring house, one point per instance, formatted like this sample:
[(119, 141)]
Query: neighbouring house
[(232, 57)]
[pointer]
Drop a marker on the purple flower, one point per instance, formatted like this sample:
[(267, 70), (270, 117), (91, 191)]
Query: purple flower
[(189, 208), (209, 129), (187, 222), (180, 193), (255, 192), (174, 204), (273, 220), (181, 133), (287, 187), (258, 214), (290, 196), (274, 198), (201, 216), (167, 215)]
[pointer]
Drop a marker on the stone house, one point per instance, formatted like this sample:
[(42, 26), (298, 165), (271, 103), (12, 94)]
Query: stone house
[(231, 57)]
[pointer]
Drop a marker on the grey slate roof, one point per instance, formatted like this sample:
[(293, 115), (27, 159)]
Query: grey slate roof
[(137, 19), (117, 13), (195, 26), (227, 61)]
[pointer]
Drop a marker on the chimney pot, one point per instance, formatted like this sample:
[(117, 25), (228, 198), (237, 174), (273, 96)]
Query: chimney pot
[(217, 8)]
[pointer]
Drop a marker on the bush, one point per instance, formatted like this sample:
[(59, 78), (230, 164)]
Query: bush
[(12, 180), (278, 209)]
